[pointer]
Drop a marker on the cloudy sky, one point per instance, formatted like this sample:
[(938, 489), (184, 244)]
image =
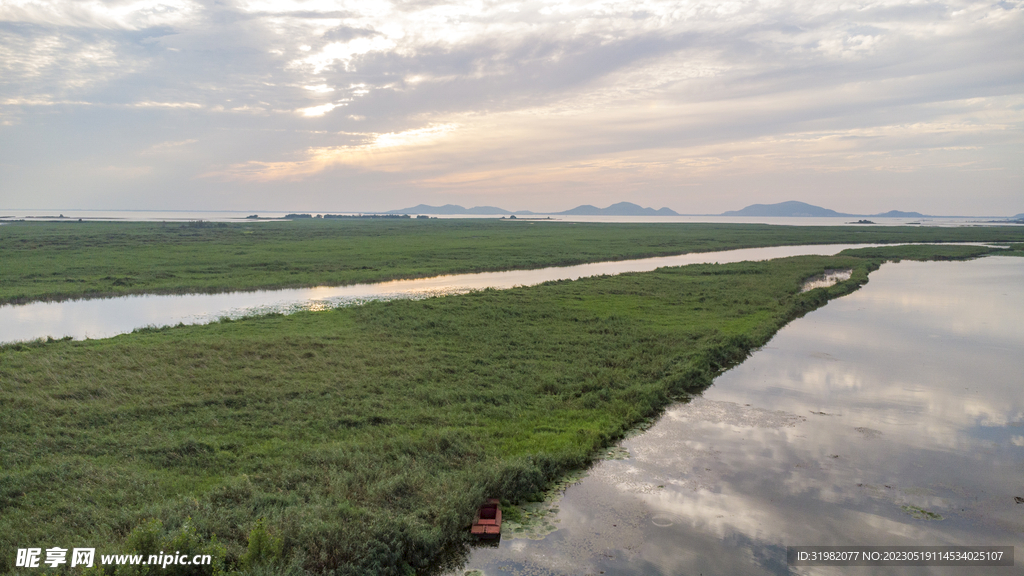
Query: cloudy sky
[(335, 105)]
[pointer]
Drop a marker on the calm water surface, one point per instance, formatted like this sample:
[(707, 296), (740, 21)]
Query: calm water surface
[(102, 318), (237, 216), (903, 396)]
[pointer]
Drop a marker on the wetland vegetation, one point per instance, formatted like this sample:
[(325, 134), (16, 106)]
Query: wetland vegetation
[(59, 260), (360, 440)]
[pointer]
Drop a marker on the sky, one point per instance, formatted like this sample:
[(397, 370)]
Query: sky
[(861, 106)]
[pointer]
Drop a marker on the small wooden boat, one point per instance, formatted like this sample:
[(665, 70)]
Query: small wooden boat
[(487, 523)]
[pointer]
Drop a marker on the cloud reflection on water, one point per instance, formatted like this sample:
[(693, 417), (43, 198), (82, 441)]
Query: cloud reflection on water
[(905, 393)]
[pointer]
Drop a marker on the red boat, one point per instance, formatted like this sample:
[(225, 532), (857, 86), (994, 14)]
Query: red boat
[(487, 523)]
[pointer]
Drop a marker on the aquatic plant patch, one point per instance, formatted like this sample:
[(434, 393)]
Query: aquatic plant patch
[(920, 513)]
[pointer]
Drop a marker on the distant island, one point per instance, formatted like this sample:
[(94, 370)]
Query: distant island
[(785, 210), (620, 209), (791, 209), (798, 209), (453, 209)]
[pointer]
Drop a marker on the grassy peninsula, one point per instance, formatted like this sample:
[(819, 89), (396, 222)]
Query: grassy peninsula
[(52, 261)]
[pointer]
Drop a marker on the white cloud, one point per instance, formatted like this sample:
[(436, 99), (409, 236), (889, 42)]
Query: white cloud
[(343, 52), (646, 94), (389, 151), (99, 14), (150, 104), (319, 110)]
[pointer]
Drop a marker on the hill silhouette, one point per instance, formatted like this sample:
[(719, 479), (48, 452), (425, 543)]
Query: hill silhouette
[(619, 209)]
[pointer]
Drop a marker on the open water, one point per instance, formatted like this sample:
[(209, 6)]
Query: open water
[(238, 216), (891, 416)]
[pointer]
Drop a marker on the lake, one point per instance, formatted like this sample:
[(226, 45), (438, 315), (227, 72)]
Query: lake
[(240, 216), (891, 416)]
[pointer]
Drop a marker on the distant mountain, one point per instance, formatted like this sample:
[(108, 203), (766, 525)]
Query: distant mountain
[(784, 210), (899, 214), (781, 210), (796, 209), (620, 209), (1018, 216), (451, 209), (486, 210)]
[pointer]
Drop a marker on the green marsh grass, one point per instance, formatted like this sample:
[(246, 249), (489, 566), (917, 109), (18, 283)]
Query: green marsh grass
[(360, 440), (52, 261)]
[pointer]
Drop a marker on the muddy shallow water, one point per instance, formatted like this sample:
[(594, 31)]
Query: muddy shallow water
[(892, 416)]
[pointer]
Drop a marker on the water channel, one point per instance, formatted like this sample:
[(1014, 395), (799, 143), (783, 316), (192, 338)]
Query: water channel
[(891, 416), (106, 317)]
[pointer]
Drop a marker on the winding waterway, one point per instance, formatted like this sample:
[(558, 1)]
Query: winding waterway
[(891, 416), (106, 317)]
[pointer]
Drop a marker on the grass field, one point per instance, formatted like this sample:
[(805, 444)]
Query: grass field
[(360, 440), (72, 259)]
